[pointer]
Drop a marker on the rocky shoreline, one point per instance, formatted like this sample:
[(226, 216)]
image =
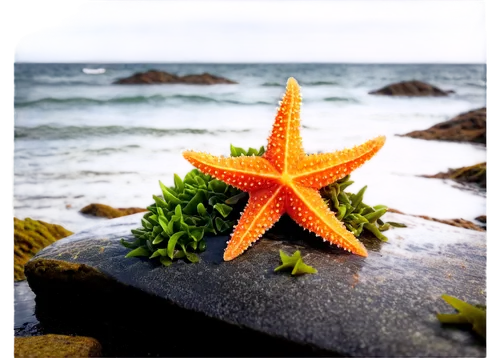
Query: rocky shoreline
[(474, 174), (85, 286), (466, 127)]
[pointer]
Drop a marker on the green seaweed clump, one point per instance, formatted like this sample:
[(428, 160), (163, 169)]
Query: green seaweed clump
[(467, 314), (177, 222), (294, 263), (175, 225), (30, 236), (355, 214)]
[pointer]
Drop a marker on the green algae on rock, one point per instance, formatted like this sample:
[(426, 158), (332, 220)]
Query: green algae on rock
[(30, 236), (175, 225), (473, 174), (105, 211), (55, 345)]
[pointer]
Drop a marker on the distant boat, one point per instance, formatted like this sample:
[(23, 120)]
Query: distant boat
[(93, 71)]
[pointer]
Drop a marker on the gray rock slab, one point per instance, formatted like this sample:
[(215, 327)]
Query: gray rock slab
[(382, 305)]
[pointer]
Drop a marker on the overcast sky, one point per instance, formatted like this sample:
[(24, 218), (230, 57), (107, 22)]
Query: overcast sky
[(401, 31)]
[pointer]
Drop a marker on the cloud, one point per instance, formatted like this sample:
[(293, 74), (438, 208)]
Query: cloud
[(263, 31)]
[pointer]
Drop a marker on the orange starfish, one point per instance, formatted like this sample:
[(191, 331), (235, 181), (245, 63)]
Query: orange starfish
[(286, 180)]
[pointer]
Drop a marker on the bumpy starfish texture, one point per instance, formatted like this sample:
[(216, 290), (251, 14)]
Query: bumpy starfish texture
[(286, 180)]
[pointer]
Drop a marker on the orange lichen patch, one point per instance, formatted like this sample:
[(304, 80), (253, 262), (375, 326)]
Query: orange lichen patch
[(319, 170), (55, 345), (285, 180), (263, 210), (307, 208)]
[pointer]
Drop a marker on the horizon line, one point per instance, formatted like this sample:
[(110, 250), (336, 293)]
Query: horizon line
[(249, 63)]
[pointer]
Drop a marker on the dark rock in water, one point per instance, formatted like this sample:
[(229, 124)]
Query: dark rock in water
[(466, 224), (474, 174), (154, 77), (102, 210), (466, 127), (411, 88), (382, 305), (482, 220)]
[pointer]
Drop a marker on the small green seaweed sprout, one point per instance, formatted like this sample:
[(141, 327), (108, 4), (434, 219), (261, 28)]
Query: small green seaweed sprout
[(294, 263), (177, 222), (467, 314)]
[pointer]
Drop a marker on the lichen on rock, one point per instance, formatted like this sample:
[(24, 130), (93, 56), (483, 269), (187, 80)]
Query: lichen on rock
[(474, 174), (30, 236), (55, 345), (105, 211)]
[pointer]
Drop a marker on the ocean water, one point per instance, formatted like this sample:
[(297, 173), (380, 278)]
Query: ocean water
[(79, 139)]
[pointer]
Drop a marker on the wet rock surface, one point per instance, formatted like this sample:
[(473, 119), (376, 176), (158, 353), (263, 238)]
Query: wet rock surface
[(466, 127), (382, 305), (155, 77), (411, 88)]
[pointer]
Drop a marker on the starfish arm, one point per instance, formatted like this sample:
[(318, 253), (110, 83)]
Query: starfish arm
[(263, 210), (244, 173), (284, 147), (307, 208), (318, 170)]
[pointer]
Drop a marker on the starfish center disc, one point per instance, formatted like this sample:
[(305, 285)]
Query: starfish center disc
[(286, 179)]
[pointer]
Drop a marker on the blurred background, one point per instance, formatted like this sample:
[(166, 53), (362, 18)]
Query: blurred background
[(80, 139)]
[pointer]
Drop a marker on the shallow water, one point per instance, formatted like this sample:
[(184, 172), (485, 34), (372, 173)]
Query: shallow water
[(79, 139)]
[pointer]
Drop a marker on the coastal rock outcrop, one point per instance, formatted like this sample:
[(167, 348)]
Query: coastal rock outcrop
[(155, 77), (30, 236), (353, 306), (465, 224), (481, 219), (55, 345), (474, 174), (105, 211), (466, 127), (410, 88)]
